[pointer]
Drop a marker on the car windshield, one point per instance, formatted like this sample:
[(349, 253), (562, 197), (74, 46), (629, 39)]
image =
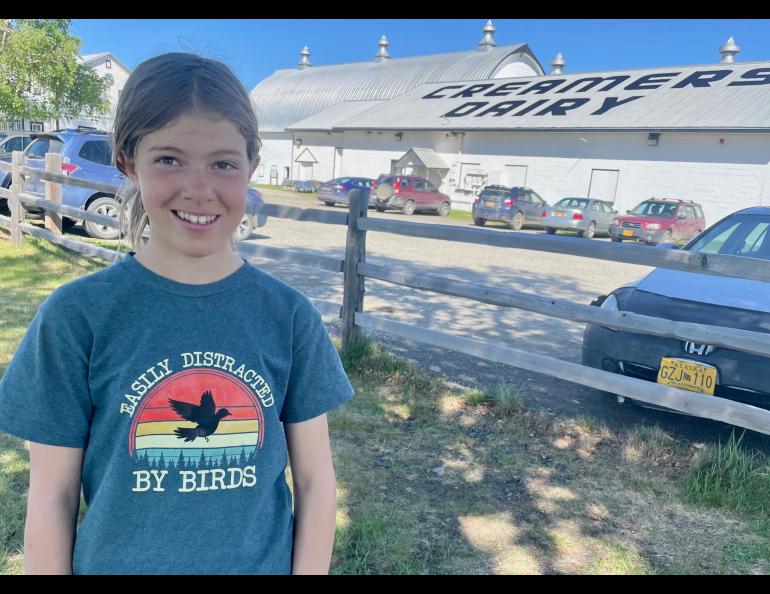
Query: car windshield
[(656, 209), (40, 146), (572, 203), (737, 235)]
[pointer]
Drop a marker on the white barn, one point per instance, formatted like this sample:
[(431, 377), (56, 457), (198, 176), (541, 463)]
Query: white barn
[(692, 132)]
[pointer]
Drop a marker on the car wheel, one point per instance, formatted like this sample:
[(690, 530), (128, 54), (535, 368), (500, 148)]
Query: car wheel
[(329, 203), (408, 208), (107, 206), (479, 222), (590, 232), (517, 222), (379, 208), (615, 239), (550, 230), (245, 228), (443, 210)]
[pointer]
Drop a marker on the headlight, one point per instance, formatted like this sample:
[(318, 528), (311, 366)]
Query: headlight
[(610, 304), (653, 226)]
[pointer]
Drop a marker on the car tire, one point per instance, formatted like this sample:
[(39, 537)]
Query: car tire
[(329, 203), (550, 230), (245, 228), (517, 222), (615, 239), (379, 208), (104, 205), (479, 222), (589, 232), (408, 208), (443, 210)]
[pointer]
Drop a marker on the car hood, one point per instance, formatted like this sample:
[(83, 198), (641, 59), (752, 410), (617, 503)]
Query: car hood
[(716, 290)]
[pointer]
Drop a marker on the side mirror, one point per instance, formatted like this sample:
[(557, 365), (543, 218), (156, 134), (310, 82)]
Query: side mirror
[(628, 212)]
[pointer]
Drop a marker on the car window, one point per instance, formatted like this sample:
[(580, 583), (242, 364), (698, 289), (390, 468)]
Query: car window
[(430, 187), (524, 196), (744, 235), (418, 185), (14, 144), (536, 198), (657, 209), (96, 151), (40, 146), (490, 194)]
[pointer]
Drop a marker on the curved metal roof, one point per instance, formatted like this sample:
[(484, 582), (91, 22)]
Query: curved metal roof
[(288, 96)]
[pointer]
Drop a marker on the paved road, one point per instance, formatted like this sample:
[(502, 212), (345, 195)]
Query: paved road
[(556, 275)]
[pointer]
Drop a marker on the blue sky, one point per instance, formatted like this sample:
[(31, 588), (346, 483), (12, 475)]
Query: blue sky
[(256, 48)]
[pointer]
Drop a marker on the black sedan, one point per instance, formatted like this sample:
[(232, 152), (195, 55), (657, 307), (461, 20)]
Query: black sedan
[(697, 298)]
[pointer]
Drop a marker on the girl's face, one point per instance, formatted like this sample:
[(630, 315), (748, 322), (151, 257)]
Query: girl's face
[(192, 174)]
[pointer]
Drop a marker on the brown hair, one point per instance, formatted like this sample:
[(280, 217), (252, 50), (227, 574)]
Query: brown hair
[(160, 90)]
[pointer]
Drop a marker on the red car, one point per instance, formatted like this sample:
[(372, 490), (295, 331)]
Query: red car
[(659, 220), (409, 193)]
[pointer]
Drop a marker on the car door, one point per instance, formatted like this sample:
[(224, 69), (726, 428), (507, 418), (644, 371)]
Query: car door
[(533, 206), (600, 215), (419, 193), (432, 196)]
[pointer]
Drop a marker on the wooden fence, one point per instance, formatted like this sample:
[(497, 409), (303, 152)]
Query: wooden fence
[(356, 270)]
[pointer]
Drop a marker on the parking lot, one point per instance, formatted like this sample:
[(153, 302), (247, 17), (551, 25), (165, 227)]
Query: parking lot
[(560, 276)]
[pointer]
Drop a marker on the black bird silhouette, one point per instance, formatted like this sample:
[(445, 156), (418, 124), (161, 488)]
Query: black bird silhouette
[(202, 414)]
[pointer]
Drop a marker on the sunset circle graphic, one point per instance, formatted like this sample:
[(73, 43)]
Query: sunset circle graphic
[(197, 418)]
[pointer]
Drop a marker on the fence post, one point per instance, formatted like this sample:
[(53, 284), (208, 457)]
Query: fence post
[(355, 252), (53, 191), (17, 187)]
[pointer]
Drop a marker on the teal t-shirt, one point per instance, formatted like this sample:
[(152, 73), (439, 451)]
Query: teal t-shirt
[(178, 394)]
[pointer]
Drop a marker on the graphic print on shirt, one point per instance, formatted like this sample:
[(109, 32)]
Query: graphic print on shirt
[(198, 429)]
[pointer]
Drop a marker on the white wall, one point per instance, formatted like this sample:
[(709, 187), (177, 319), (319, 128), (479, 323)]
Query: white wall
[(722, 176), (276, 150)]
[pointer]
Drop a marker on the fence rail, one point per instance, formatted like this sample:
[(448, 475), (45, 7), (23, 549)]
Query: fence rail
[(355, 270)]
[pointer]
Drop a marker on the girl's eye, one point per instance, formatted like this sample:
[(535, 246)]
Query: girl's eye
[(224, 165), (166, 160)]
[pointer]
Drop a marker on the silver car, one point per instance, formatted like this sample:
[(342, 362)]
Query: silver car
[(587, 216)]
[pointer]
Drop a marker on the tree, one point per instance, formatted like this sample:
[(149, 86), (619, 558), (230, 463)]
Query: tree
[(40, 77)]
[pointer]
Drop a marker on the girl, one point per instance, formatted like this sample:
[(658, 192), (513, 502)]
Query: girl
[(176, 383)]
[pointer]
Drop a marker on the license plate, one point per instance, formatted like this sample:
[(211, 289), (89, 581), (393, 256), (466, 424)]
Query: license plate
[(490, 204), (628, 233), (688, 375), (560, 213)]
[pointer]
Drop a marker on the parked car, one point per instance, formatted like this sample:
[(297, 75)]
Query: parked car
[(587, 216), (14, 141), (337, 190), (89, 158), (698, 298), (296, 185), (515, 206), (659, 220), (410, 193)]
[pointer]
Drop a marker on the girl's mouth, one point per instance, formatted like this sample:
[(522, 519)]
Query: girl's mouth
[(195, 221)]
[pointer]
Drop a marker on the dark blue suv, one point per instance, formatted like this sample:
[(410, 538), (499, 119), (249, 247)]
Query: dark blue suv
[(89, 157)]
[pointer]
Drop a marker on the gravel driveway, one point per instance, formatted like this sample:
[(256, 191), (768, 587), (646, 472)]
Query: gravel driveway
[(555, 275)]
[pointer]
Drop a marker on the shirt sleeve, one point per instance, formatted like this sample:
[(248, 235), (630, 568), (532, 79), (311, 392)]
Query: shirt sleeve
[(44, 393), (317, 381)]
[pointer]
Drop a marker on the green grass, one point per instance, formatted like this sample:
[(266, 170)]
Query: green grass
[(728, 476)]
